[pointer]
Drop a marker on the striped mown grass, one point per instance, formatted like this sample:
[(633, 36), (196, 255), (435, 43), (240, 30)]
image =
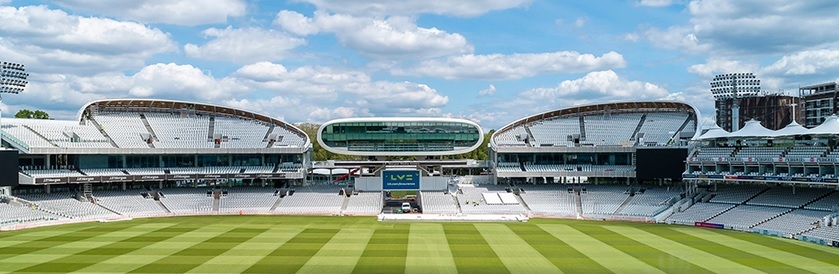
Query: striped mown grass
[(303, 244)]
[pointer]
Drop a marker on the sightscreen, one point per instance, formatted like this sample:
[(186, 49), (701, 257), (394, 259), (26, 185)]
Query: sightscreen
[(8, 167), (660, 163)]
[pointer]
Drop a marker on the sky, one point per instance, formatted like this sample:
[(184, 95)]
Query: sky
[(490, 61)]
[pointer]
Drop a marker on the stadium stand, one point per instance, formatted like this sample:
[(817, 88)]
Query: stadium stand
[(550, 200), (313, 200), (129, 202), (699, 212), (438, 202), (247, 200), (186, 200), (744, 217), (794, 222), (364, 203)]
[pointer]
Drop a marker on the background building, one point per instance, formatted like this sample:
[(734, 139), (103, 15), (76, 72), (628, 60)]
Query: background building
[(820, 101), (738, 98)]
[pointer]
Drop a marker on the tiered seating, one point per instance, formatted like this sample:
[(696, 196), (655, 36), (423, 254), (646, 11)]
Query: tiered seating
[(603, 199), (699, 212), (744, 217), (125, 129), (438, 202), (365, 203), (611, 130), (52, 173), (240, 133), (11, 214), (649, 203), (102, 171), (258, 169), (64, 203), (290, 167), (554, 200), (70, 134), (145, 171), (17, 130), (321, 200), (735, 194), (824, 232), (659, 127), (508, 167), (760, 152), (827, 203), (799, 153), (128, 202), (795, 222), (174, 131), (508, 138), (715, 152), (472, 201), (555, 131), (783, 197), (287, 138), (574, 168), (248, 199), (186, 200)]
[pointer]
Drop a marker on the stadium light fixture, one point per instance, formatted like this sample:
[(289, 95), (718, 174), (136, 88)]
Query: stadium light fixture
[(12, 79)]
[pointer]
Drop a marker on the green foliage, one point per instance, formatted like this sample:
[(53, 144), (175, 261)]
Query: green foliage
[(28, 114), (480, 153)]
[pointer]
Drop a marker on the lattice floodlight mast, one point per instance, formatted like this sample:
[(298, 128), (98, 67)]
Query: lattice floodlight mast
[(12, 79), (735, 86)]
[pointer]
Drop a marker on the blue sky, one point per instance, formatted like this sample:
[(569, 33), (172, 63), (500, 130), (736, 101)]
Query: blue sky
[(491, 61)]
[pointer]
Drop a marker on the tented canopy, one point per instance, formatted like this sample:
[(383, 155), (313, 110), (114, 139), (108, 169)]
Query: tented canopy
[(714, 132), (792, 129), (829, 127), (752, 128)]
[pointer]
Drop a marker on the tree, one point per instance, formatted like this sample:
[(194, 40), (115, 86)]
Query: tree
[(28, 114)]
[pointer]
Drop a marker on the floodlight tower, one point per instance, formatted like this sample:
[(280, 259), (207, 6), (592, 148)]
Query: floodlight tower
[(12, 79), (734, 86)]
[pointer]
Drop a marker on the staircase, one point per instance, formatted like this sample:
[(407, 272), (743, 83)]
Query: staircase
[(277, 203), (345, 204), (676, 135), (88, 192), (578, 204), (163, 206), (102, 130), (148, 127), (582, 128), (212, 128), (638, 128), (529, 135), (625, 202), (39, 135)]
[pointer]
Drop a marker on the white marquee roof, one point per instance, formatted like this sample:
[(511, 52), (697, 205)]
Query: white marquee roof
[(753, 129)]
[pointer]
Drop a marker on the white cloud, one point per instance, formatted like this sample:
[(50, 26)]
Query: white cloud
[(52, 41), (719, 66), (489, 91), (244, 45), (598, 86), (394, 36), (751, 26), (514, 66), (296, 23), (656, 3), (805, 62), (676, 38), (176, 12), (466, 8)]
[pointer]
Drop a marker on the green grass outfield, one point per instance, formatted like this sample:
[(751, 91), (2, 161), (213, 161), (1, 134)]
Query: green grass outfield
[(297, 244)]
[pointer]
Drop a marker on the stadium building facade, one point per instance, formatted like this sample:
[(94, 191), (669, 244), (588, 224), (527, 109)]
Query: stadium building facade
[(133, 142), (594, 142)]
